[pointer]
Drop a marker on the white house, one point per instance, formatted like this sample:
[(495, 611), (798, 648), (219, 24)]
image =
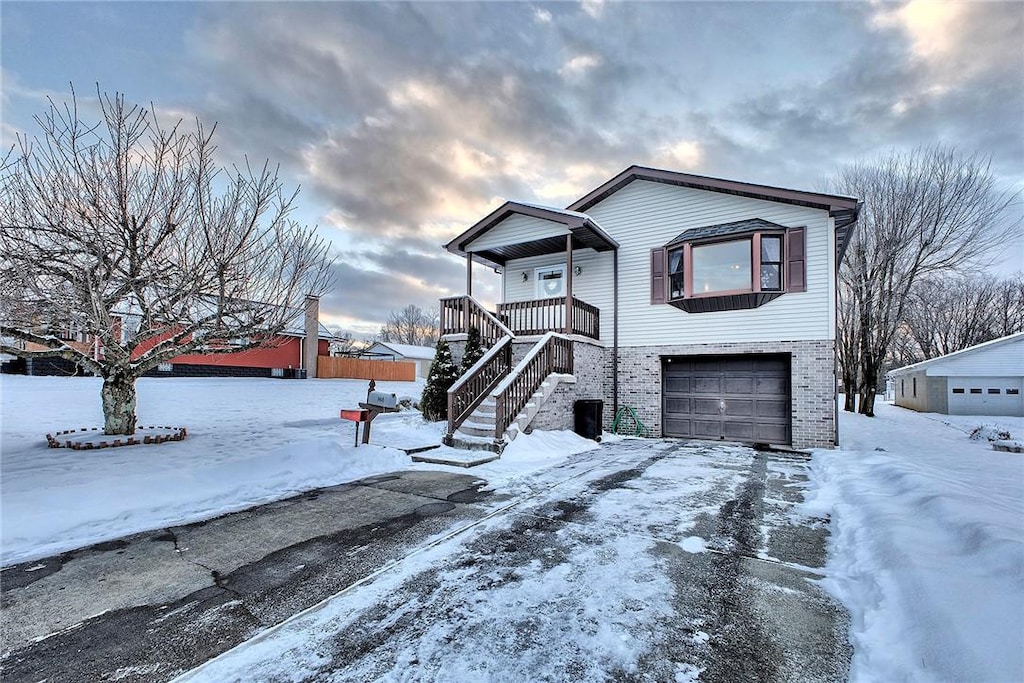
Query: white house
[(705, 305), (986, 379), (422, 356)]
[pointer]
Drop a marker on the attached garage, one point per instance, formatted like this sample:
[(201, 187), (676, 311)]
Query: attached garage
[(730, 398)]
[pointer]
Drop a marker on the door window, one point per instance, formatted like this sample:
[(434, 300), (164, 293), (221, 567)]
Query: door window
[(550, 281)]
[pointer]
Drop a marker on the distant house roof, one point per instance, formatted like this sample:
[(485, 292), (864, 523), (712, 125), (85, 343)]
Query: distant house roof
[(405, 350), (971, 350), (296, 327), (723, 229)]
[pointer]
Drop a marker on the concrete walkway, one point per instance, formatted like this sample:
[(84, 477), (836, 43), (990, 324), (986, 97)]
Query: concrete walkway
[(740, 605)]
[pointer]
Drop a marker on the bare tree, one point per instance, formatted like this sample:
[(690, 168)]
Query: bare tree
[(948, 313), (345, 343), (928, 210), (412, 325), (127, 232)]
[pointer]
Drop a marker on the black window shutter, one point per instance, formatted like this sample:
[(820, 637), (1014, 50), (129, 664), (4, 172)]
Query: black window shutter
[(796, 261), (658, 276)]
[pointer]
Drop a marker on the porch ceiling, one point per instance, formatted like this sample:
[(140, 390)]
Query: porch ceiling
[(499, 256), (586, 234)]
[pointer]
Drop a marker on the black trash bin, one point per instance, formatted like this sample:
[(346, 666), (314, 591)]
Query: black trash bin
[(587, 415)]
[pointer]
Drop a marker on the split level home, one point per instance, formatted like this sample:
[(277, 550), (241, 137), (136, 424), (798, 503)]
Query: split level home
[(705, 307)]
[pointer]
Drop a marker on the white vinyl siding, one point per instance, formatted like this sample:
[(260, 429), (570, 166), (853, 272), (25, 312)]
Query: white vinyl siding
[(997, 360), (517, 229), (644, 215), (592, 285)]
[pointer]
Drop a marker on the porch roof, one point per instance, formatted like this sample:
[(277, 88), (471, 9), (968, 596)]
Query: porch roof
[(586, 234)]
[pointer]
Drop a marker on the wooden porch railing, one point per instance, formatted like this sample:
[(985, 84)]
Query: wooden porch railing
[(548, 315), (472, 388), (551, 354), (460, 313)]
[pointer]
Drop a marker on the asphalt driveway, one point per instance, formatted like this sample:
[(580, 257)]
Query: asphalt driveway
[(643, 560)]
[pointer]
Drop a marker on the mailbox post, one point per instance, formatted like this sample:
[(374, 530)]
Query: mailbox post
[(377, 402)]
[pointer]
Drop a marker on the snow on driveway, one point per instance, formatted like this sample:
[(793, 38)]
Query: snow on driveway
[(573, 583)]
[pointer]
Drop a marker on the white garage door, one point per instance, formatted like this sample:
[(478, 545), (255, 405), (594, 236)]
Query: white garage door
[(985, 396)]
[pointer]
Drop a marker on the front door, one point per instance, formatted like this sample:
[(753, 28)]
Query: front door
[(549, 281)]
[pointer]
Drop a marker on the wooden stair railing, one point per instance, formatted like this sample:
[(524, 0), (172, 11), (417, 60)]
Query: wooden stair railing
[(460, 313), (553, 353), (470, 390)]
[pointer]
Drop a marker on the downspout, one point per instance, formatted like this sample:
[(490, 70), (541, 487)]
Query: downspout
[(835, 341), (615, 333)]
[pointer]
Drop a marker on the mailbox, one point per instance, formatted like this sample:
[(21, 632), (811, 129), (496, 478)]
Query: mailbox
[(382, 399)]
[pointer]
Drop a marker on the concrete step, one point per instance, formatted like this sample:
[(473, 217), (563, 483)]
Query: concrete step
[(481, 430), (467, 457), (475, 443), (487, 408)]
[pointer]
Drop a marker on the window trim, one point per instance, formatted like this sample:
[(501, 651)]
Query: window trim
[(754, 238)]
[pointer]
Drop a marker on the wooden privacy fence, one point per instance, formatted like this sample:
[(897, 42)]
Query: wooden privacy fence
[(328, 367)]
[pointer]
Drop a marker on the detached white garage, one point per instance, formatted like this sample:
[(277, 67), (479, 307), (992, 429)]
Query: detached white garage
[(987, 379)]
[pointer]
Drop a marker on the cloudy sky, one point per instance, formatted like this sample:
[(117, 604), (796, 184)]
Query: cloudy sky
[(406, 123)]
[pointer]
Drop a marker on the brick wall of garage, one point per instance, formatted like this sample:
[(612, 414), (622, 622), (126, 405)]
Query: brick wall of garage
[(812, 383)]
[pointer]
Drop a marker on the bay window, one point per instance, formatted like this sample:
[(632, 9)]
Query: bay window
[(724, 268)]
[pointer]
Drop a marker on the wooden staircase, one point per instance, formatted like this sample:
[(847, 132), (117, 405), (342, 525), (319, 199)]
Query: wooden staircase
[(493, 401)]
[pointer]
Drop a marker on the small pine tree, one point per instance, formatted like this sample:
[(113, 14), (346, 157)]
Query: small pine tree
[(443, 373), (474, 349)]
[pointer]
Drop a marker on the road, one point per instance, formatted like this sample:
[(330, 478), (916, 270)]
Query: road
[(644, 560)]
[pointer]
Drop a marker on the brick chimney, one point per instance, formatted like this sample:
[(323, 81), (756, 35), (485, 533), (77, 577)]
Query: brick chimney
[(312, 329)]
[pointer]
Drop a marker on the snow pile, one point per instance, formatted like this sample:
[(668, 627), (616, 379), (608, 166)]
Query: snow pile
[(989, 432), (927, 548)]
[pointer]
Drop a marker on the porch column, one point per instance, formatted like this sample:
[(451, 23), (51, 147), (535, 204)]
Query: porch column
[(568, 283), (469, 292)]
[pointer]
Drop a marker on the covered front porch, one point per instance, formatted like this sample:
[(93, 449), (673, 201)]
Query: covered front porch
[(532, 238), (522, 318)]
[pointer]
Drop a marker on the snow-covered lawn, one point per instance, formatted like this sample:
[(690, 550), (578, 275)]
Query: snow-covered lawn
[(927, 548), (250, 441)]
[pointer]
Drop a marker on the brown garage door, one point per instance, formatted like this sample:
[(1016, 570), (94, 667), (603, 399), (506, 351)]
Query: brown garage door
[(736, 398)]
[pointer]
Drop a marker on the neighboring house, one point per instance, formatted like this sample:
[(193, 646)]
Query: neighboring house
[(288, 355), (706, 305), (421, 356), (987, 379)]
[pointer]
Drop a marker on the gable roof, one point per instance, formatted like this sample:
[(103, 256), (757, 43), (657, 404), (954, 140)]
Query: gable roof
[(723, 229), (843, 209), (407, 350), (586, 233), (977, 348)]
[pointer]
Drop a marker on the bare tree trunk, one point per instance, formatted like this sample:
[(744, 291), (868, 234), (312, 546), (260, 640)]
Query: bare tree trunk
[(849, 395), (867, 399), (118, 394)]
